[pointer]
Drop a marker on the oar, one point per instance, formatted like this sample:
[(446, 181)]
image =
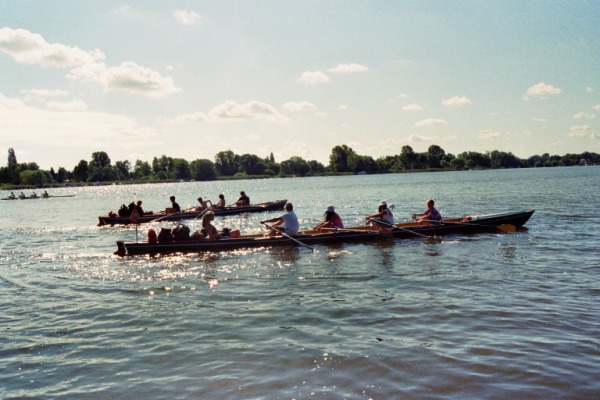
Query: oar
[(501, 227), (289, 237), (407, 230)]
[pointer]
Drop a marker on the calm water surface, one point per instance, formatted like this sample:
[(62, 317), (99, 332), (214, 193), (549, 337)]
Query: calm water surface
[(488, 316)]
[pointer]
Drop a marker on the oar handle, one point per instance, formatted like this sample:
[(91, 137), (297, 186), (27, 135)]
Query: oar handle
[(288, 236)]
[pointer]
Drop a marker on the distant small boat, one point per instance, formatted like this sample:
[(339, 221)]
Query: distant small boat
[(192, 214), (36, 197)]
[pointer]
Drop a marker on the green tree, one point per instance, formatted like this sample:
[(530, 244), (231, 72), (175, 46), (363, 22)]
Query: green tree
[(227, 163), (100, 159), (163, 167), (338, 160), (142, 169), (407, 158), (251, 164), (123, 167), (435, 156), (181, 169), (81, 171), (203, 170), (295, 166), (315, 167), (12, 158), (37, 177)]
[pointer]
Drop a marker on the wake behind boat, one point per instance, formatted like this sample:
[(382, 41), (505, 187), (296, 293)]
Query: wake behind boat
[(192, 213), (506, 222)]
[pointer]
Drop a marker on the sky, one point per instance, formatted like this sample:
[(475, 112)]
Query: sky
[(188, 79)]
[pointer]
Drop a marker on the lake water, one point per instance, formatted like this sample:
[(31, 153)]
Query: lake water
[(489, 316)]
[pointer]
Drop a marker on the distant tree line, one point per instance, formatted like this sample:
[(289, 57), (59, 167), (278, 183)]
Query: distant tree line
[(227, 164)]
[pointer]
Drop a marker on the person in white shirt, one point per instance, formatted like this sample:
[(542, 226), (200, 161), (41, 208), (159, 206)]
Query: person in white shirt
[(287, 223)]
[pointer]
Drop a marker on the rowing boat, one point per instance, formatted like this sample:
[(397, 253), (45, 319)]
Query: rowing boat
[(249, 241), (464, 225), (192, 213), (36, 197), (507, 222)]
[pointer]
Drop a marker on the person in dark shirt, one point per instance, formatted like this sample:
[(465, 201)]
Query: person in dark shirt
[(174, 205), (243, 200)]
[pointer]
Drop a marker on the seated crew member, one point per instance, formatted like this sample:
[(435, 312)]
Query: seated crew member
[(221, 203), (286, 223), (203, 204), (139, 209), (243, 200), (174, 205), (208, 227), (431, 215), (331, 219), (384, 217)]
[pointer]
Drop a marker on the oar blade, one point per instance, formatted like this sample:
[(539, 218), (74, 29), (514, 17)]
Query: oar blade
[(507, 228)]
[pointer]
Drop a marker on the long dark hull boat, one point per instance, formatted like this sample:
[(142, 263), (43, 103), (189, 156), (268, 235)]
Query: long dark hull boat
[(192, 214), (249, 241), (36, 197), (507, 222)]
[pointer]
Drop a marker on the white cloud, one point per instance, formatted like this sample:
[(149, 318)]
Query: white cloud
[(430, 122), (419, 138), (596, 107), (583, 132), (194, 117), (348, 68), (541, 90), (31, 48), (52, 128), (589, 89), (412, 107), (582, 115), (76, 105), (457, 101), (9, 104), (45, 92), (248, 111), (186, 17), (312, 77), (129, 77), (231, 111), (489, 135), (300, 106)]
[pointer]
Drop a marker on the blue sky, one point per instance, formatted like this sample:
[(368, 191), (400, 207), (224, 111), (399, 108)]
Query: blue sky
[(188, 79)]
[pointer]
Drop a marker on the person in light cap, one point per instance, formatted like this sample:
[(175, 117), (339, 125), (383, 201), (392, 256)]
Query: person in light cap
[(331, 219), (384, 217)]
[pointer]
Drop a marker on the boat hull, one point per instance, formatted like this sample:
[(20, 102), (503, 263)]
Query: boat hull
[(479, 224), (36, 198), (262, 207), (247, 242)]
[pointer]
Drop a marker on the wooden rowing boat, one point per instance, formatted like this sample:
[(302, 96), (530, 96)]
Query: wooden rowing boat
[(37, 197), (192, 214), (507, 222), (465, 225), (249, 241)]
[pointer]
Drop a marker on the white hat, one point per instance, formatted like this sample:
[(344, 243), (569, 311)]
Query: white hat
[(382, 203), (330, 209)]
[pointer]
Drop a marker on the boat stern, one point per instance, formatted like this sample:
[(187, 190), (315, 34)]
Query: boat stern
[(121, 250)]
